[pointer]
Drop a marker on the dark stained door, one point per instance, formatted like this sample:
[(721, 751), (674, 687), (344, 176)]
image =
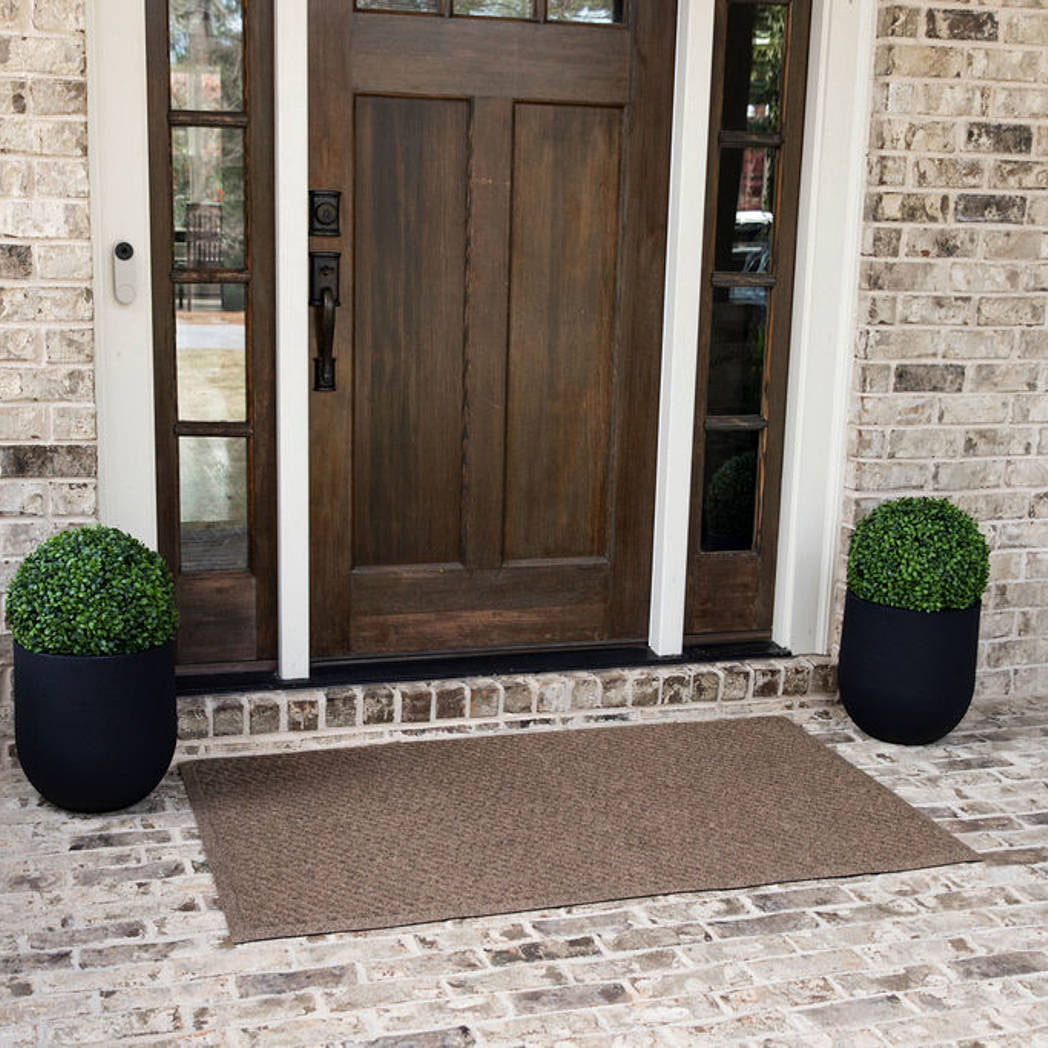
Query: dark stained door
[(483, 475)]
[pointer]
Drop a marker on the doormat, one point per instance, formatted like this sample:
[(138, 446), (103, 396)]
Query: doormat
[(402, 833)]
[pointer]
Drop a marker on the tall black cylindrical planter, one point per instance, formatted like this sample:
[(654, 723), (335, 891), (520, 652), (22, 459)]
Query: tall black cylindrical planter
[(907, 676), (95, 733)]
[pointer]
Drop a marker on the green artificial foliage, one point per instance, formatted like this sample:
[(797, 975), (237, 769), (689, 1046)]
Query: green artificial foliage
[(729, 497), (924, 554), (92, 591)]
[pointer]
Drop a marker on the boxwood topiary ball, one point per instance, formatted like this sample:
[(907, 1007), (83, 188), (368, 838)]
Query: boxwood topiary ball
[(92, 591), (924, 554)]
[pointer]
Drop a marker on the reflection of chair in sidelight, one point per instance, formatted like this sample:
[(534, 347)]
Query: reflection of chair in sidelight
[(203, 236)]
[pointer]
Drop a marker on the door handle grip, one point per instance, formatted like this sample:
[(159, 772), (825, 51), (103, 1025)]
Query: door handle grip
[(324, 363)]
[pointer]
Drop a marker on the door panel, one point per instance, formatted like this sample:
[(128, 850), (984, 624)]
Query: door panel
[(562, 320), (482, 477), (410, 248)]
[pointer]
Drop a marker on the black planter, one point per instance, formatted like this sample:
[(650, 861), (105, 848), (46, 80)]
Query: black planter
[(95, 733), (907, 676)]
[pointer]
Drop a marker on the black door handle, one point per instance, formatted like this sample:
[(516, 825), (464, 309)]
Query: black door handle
[(324, 364), (323, 292)]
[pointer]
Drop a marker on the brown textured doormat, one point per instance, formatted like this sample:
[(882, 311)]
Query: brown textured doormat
[(402, 833)]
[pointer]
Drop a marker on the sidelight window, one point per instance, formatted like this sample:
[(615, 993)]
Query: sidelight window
[(210, 83), (756, 127)]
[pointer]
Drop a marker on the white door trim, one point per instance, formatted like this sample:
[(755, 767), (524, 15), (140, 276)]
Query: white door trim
[(118, 137), (829, 239), (291, 117), (680, 332)]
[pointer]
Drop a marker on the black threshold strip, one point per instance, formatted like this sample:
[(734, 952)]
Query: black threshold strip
[(491, 664)]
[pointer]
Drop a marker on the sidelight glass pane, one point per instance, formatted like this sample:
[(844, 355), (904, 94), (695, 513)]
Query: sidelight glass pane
[(729, 490), (213, 493), (210, 351), (495, 8), (206, 52), (745, 204), (208, 190), (429, 7), (753, 66), (739, 331), (600, 11)]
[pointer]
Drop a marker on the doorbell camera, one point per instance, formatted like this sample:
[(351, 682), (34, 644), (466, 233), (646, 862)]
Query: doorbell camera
[(125, 281)]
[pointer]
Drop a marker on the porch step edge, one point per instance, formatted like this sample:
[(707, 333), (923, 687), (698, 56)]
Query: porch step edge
[(507, 699)]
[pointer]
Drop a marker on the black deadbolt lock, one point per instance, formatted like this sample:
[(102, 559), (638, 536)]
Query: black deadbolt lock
[(323, 212)]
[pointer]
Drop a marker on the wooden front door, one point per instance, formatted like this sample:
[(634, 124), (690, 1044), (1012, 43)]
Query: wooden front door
[(482, 475)]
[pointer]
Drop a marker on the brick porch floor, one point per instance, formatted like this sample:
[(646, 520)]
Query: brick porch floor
[(109, 931)]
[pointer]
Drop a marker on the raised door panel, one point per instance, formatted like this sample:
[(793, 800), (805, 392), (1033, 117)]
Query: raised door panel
[(562, 323), (410, 263)]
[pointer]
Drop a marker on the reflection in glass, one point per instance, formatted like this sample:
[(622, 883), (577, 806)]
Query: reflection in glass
[(606, 11), (745, 202), (213, 500), (495, 8), (739, 330), (208, 191), (755, 39), (206, 54), (209, 348), (429, 7), (729, 490)]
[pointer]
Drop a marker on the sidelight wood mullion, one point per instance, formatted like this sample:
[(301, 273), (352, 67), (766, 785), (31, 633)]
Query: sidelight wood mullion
[(209, 276), (213, 429), (730, 278), (749, 139), (487, 327), (206, 118), (735, 423)]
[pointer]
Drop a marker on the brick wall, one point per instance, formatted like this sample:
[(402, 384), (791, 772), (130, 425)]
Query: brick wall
[(47, 408), (952, 344), (952, 347)]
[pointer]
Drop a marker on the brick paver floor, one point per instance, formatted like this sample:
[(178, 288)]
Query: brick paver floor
[(109, 931)]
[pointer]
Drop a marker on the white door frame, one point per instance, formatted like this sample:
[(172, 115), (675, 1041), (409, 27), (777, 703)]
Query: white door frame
[(823, 322)]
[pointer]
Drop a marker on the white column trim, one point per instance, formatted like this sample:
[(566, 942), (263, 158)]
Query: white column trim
[(691, 113), (824, 315), (292, 334), (118, 156)]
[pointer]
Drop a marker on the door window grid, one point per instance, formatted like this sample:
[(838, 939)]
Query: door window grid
[(743, 274), (210, 282), (581, 12)]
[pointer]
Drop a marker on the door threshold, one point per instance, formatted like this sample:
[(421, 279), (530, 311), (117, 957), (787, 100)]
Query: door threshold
[(382, 670)]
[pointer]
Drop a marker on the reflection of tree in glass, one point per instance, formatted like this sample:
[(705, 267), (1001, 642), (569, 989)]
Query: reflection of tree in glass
[(495, 8), (729, 500), (204, 41), (585, 10), (207, 167), (423, 6), (769, 33)]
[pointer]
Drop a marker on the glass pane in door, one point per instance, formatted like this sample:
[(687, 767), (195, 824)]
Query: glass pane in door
[(210, 328), (213, 503), (495, 8), (426, 7), (729, 490), (739, 329), (600, 11), (745, 206), (756, 38), (207, 168), (206, 54)]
